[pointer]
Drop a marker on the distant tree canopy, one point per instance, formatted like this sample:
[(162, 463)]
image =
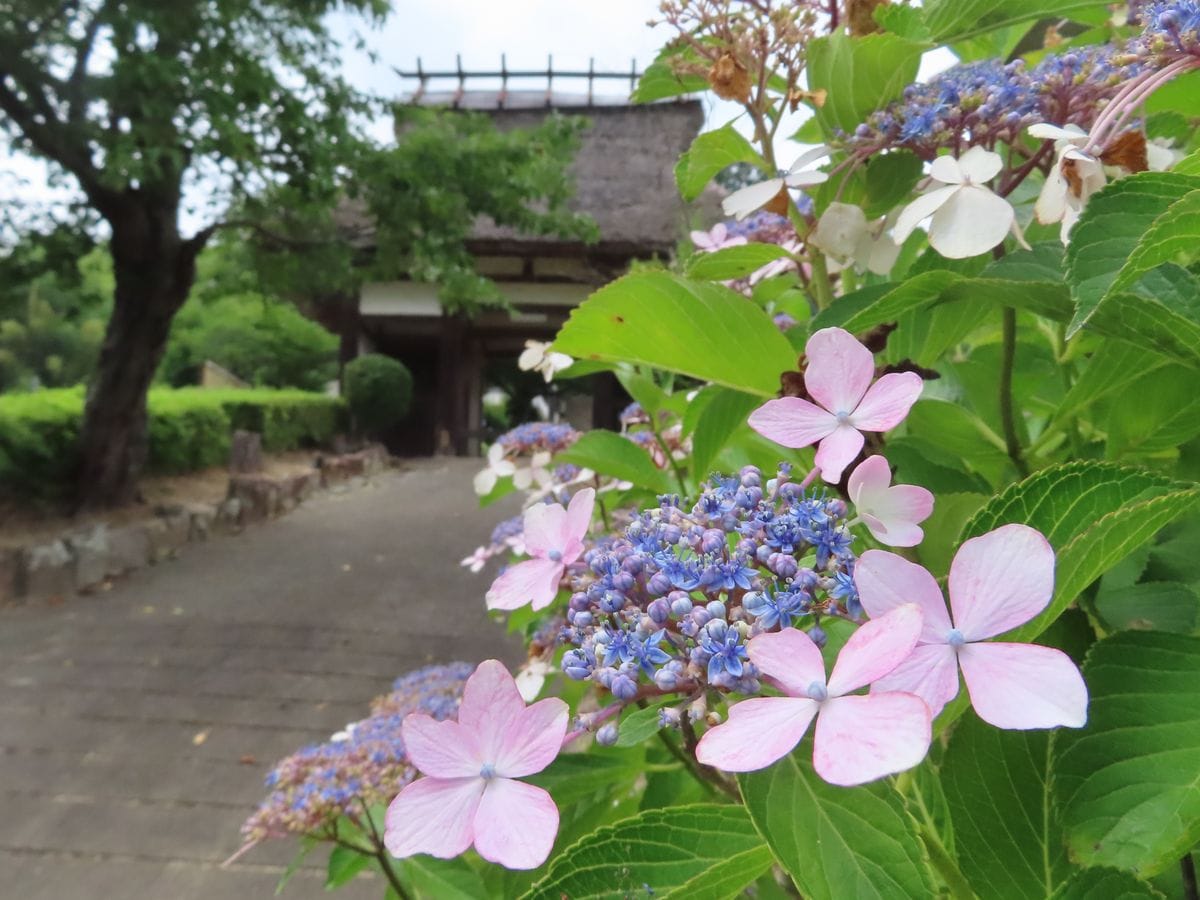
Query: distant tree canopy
[(135, 101)]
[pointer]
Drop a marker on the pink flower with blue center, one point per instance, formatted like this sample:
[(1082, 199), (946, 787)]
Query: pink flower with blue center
[(839, 378), (997, 581), (470, 795)]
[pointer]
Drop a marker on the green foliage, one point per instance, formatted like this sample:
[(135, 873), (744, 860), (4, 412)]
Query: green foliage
[(860, 75), (1130, 781), (955, 20), (189, 429), (263, 342), (836, 841), (668, 850), (711, 153), (378, 391), (702, 330), (619, 457), (733, 262)]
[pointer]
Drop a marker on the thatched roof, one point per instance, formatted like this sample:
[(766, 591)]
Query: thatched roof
[(624, 175)]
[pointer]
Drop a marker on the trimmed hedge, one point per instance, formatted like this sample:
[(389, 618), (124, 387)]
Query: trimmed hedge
[(190, 429), (378, 390)]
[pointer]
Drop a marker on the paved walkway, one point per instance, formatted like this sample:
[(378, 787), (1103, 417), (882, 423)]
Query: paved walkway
[(136, 725)]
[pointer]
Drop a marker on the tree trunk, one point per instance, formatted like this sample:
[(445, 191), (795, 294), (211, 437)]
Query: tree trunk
[(154, 271)]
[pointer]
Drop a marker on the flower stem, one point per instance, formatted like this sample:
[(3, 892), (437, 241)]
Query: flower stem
[(1012, 443), (822, 286)]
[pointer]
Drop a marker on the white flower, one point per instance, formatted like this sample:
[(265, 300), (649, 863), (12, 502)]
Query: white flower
[(776, 266), (538, 357), (745, 201), (968, 219), (498, 467), (844, 233), (531, 677), (1160, 155), (523, 479), (717, 239), (1075, 177)]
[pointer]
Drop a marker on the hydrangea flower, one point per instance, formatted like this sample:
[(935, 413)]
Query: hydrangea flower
[(859, 738), (469, 794), (1076, 175), (742, 203), (838, 378), (538, 357), (968, 219), (997, 581), (554, 538), (890, 512), (717, 239)]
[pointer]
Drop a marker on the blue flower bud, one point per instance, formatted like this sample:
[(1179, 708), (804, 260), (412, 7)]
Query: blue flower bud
[(623, 687), (611, 602), (671, 534), (681, 604), (575, 664), (607, 735), (783, 564), (751, 476), (669, 717), (659, 583), (763, 554), (623, 581), (659, 611), (716, 609), (712, 541), (581, 619), (700, 615), (579, 602), (606, 675), (817, 633), (666, 679)]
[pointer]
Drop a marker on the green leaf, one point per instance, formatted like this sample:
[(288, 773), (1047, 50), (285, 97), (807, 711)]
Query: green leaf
[(954, 20), (1129, 782), (1150, 606), (640, 725), (890, 178), (710, 153), (609, 453), (1111, 368), (905, 21), (662, 320), (659, 850), (430, 878), (661, 82), (1007, 831), (836, 842), (727, 879), (1157, 413), (307, 844), (1110, 228), (962, 433), (733, 262), (1173, 238), (575, 776), (344, 864), (1104, 884), (723, 417), (860, 74), (950, 513), (1094, 514)]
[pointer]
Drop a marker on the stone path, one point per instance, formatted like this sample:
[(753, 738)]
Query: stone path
[(136, 725)]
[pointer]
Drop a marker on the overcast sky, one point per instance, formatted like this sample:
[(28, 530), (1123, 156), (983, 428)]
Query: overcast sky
[(612, 32)]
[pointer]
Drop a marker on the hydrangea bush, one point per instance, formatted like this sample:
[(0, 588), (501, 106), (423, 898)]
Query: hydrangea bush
[(888, 584)]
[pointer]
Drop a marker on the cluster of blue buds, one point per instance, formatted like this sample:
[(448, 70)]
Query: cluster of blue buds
[(1171, 30), (533, 436), (990, 101), (364, 763), (668, 607)]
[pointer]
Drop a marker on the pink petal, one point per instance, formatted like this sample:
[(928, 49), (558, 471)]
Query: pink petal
[(886, 581), (899, 510), (930, 672), (1000, 580), (875, 649), (859, 739), (545, 528), (516, 824), (532, 581), (434, 816), (442, 749), (533, 739), (757, 733), (839, 369), (837, 451), (490, 704), (1024, 685), (888, 401), (579, 517), (790, 658), (792, 422), (869, 479)]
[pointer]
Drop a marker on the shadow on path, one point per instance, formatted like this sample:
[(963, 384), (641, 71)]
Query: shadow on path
[(136, 725)]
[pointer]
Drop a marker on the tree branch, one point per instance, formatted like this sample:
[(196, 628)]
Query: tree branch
[(76, 103)]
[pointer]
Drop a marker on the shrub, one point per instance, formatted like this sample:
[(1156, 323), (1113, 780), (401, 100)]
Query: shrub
[(264, 342), (378, 391), (189, 429)]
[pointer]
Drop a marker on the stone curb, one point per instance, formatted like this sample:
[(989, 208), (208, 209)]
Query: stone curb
[(84, 559)]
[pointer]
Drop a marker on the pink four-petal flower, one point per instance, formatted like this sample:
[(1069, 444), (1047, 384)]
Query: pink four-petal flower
[(469, 795), (554, 538), (890, 512), (859, 737), (997, 581), (838, 376)]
